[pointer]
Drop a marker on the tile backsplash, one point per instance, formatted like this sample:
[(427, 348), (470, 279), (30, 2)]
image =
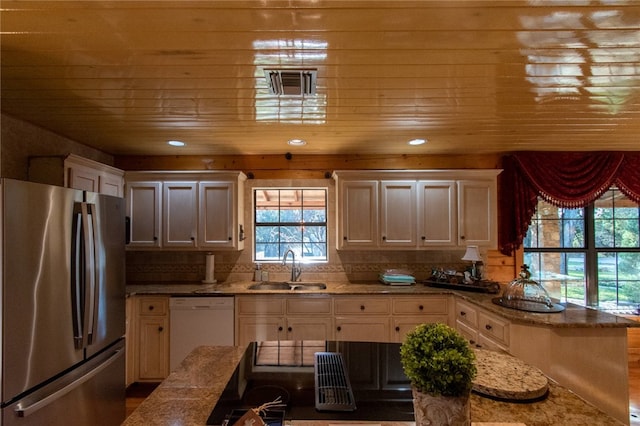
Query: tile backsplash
[(156, 267)]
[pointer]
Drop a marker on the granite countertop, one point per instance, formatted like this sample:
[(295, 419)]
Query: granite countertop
[(574, 316), (188, 395)]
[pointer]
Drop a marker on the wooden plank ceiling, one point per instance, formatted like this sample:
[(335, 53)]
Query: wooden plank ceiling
[(471, 77)]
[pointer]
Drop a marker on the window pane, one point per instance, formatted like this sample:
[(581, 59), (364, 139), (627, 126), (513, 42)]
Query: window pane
[(616, 221), (290, 234), (267, 252), (267, 234), (554, 227), (561, 274), (267, 206)]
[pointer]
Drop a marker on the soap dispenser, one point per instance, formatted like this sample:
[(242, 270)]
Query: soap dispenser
[(257, 274)]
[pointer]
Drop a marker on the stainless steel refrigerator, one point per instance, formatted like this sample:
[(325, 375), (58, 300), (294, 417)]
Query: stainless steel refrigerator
[(63, 306)]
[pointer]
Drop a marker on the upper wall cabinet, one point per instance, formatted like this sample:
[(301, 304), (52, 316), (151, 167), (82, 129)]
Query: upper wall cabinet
[(186, 210), (77, 172), (416, 209)]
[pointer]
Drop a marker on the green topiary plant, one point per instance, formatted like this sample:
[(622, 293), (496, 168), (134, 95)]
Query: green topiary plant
[(438, 360)]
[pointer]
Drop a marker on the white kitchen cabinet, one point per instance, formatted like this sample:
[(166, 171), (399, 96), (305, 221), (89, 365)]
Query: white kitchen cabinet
[(184, 210), (219, 214), (273, 317), (398, 214), (144, 212), (481, 328), (416, 209), (362, 318), (410, 311), (437, 219), (478, 213), (358, 214), (179, 214), (152, 334), (73, 171)]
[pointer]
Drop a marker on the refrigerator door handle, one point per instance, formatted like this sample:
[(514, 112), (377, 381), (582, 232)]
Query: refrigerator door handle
[(77, 277), (24, 411), (90, 308)]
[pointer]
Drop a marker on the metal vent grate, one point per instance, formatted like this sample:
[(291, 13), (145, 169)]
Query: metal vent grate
[(333, 390), (291, 82)]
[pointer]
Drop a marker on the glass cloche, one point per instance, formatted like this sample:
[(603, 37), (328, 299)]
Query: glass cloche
[(527, 295)]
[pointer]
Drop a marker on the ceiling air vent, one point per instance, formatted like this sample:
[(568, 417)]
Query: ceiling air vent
[(291, 82)]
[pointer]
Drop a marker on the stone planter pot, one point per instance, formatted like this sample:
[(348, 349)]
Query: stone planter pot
[(441, 410)]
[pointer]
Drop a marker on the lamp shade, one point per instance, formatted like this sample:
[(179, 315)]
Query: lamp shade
[(472, 254)]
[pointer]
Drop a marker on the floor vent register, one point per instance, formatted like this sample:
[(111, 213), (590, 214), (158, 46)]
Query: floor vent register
[(333, 390)]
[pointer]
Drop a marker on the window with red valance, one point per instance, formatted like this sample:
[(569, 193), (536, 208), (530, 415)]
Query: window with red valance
[(564, 179)]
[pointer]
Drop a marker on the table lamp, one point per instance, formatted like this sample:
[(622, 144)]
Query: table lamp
[(472, 254)]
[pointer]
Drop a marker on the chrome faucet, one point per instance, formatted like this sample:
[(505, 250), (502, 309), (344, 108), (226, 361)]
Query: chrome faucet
[(295, 270)]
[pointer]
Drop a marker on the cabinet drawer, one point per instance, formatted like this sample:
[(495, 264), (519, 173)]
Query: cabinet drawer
[(413, 306), (466, 314), (153, 305), (467, 332), (309, 305), (259, 305), (494, 327), (357, 305)]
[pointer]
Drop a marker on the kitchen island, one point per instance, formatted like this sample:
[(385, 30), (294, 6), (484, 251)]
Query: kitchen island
[(188, 395)]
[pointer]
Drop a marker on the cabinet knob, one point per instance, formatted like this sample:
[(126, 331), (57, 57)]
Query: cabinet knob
[(289, 329), (462, 313), (151, 307), (280, 328), (160, 329), (155, 238), (488, 327), (421, 307), (397, 328), (339, 328), (362, 307), (344, 238), (384, 238), (424, 238), (462, 237), (473, 342), (192, 238), (230, 238)]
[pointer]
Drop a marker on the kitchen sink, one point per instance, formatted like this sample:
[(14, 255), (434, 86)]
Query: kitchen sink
[(287, 285)]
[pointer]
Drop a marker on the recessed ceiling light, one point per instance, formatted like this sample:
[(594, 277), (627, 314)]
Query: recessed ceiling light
[(176, 143), (296, 142), (417, 141)]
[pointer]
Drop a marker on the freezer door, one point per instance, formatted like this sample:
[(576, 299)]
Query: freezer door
[(92, 394), (37, 331)]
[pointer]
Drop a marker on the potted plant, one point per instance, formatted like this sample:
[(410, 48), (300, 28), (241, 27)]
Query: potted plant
[(441, 367)]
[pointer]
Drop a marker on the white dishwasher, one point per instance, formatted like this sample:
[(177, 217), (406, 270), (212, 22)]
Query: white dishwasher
[(197, 321)]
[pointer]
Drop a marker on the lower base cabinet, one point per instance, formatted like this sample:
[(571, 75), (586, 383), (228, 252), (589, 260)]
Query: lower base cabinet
[(378, 318), (151, 345)]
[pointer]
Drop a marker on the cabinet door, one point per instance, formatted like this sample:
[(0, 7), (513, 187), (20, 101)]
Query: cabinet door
[(110, 184), (362, 328), (398, 214), (258, 329), (143, 207), (153, 348), (358, 215), (84, 178), (437, 213), (404, 324), (309, 328), (216, 223), (179, 214), (477, 213)]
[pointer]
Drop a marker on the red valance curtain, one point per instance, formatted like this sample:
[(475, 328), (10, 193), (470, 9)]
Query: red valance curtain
[(564, 179)]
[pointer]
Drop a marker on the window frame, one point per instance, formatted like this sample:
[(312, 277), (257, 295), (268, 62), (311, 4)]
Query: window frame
[(299, 256), (590, 252)]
